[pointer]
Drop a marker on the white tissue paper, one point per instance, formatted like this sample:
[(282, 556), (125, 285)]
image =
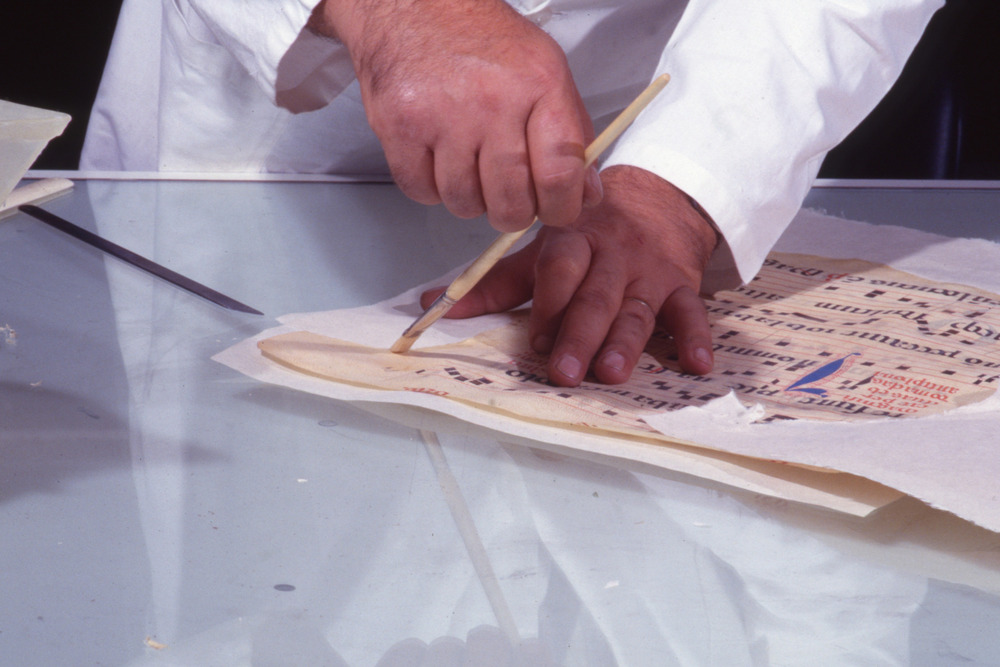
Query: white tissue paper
[(24, 133)]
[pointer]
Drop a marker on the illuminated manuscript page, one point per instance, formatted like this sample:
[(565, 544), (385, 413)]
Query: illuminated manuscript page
[(809, 338), (810, 348)]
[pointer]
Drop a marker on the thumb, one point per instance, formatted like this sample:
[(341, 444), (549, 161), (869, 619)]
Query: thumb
[(507, 285)]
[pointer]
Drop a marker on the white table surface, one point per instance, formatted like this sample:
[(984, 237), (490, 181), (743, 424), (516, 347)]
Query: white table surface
[(158, 508)]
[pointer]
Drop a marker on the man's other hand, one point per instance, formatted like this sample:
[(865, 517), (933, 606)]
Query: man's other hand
[(602, 284)]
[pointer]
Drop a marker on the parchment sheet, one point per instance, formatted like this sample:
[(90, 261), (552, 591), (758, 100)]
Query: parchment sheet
[(884, 449)]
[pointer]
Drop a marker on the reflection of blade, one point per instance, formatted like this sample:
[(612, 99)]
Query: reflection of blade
[(136, 260)]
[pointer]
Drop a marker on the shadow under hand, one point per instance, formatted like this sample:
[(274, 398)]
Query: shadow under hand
[(48, 438)]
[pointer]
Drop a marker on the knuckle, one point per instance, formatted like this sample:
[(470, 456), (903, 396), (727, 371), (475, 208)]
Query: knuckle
[(414, 186), (559, 180), (574, 344), (638, 317), (595, 300), (545, 62), (465, 211), (460, 190), (687, 305), (559, 215), (512, 214), (561, 268), (463, 203), (514, 202), (403, 117)]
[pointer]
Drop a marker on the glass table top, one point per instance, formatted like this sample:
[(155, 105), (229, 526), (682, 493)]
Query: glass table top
[(158, 508)]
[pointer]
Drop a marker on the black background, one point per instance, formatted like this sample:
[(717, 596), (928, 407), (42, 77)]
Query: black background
[(52, 53)]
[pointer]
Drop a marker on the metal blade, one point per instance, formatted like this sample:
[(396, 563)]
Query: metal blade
[(139, 261)]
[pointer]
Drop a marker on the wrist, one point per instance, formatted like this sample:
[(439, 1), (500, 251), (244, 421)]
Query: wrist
[(655, 198)]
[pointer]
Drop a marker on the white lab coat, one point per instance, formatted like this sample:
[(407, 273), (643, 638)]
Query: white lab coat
[(761, 91)]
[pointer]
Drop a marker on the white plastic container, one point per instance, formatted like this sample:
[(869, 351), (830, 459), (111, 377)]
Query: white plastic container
[(24, 132)]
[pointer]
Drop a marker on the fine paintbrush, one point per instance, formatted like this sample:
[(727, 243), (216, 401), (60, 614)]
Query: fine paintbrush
[(475, 271)]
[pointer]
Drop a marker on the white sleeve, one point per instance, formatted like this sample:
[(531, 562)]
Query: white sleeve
[(760, 91), (122, 131), (296, 68)]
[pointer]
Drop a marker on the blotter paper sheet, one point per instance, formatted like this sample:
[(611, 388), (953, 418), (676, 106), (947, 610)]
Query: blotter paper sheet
[(827, 363)]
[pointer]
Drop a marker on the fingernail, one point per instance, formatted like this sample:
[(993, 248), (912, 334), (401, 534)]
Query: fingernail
[(594, 192), (569, 366), (703, 356), (614, 360)]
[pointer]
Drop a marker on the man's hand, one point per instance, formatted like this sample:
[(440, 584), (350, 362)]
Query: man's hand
[(602, 284), (474, 105)]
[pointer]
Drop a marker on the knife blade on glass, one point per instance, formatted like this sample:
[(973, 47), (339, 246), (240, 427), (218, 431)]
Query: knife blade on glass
[(139, 261)]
